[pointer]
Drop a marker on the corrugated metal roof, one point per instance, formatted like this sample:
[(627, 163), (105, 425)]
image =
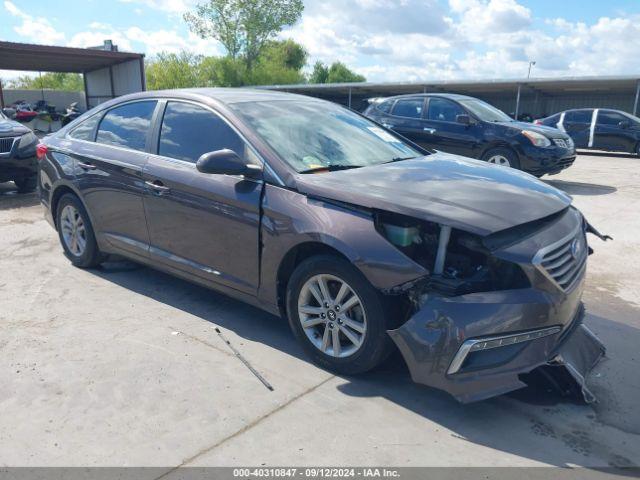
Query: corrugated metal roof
[(48, 58)]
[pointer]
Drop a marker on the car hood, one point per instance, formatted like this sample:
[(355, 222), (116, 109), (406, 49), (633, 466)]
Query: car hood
[(542, 129), (467, 194), (10, 128)]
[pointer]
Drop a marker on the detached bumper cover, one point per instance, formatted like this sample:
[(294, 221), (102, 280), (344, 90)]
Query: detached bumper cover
[(430, 340)]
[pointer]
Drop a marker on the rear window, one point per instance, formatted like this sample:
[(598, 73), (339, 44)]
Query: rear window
[(409, 107), (127, 125), (578, 116), (610, 118), (385, 107)]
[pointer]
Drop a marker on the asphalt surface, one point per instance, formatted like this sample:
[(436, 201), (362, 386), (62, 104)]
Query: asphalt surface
[(125, 366)]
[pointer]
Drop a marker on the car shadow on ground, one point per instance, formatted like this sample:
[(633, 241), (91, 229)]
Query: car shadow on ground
[(10, 198), (494, 423), (580, 188)]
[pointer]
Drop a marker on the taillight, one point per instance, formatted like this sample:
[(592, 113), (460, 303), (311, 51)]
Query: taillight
[(41, 151)]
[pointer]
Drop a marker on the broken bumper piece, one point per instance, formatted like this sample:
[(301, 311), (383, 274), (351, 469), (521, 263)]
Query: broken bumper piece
[(479, 345)]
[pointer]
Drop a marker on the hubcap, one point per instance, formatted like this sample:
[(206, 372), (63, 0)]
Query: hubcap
[(332, 315), (499, 160), (73, 229)]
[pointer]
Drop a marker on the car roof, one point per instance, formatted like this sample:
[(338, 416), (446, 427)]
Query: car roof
[(221, 95), (451, 96)]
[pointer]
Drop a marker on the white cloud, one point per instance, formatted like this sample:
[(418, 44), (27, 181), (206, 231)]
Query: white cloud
[(37, 30), (171, 6)]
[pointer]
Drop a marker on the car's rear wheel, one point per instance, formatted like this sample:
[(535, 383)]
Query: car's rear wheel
[(503, 157), (76, 233), (337, 315), (26, 184)]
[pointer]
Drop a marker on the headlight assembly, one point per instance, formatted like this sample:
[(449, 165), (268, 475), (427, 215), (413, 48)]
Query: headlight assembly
[(536, 138), (27, 139)]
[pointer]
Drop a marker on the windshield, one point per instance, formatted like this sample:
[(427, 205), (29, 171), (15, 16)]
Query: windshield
[(312, 135), (485, 112)]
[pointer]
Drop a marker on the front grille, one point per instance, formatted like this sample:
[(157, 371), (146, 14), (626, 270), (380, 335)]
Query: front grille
[(564, 261), (562, 143), (6, 144)]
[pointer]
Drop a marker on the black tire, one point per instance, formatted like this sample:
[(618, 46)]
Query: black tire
[(91, 256), (507, 153), (377, 344), (26, 184)]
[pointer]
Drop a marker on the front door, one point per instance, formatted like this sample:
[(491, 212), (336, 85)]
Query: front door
[(202, 224), (445, 132), (613, 131), (577, 124)]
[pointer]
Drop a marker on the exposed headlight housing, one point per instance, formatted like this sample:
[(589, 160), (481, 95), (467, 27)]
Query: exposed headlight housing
[(27, 139), (536, 138)]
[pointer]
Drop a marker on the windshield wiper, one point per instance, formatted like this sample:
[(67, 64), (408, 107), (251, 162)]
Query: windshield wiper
[(399, 159), (331, 168)]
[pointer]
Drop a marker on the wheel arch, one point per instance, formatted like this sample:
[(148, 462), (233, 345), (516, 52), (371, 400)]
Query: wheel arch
[(500, 144), (294, 257), (57, 194)]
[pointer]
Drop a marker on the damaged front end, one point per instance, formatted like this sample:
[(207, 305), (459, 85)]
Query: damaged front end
[(493, 309)]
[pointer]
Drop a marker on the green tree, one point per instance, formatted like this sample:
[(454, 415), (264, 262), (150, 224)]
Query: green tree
[(320, 73), (281, 62), (243, 26), (71, 82), (173, 70), (222, 72), (338, 72)]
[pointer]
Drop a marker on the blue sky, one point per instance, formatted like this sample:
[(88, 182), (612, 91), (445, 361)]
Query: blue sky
[(386, 40)]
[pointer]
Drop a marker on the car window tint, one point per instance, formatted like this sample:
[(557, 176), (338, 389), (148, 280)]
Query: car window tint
[(443, 110), (86, 130), (578, 116), (188, 131), (409, 107), (385, 107), (611, 118), (127, 125)]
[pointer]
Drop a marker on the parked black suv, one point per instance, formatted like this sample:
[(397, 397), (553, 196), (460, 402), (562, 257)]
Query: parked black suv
[(17, 154), (598, 129), (473, 128)]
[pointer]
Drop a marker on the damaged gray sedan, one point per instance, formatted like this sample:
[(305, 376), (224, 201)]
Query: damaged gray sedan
[(361, 239)]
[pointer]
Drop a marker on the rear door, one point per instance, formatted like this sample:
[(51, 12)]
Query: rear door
[(443, 130), (577, 124), (406, 119), (613, 132), (202, 224), (109, 173)]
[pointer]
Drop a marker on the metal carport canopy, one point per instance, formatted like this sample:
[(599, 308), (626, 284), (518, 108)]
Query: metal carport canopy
[(107, 73)]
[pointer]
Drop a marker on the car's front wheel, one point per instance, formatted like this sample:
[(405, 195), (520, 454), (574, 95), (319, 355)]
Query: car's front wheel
[(76, 233), (502, 156), (337, 315)]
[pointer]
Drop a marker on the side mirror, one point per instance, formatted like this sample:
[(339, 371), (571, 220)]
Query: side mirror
[(623, 124), (226, 162), (463, 119)]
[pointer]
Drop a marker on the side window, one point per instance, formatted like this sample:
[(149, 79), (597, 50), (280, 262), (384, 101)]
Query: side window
[(610, 118), (188, 131), (552, 120), (578, 116), (86, 130), (443, 110), (127, 125), (385, 107), (409, 107)]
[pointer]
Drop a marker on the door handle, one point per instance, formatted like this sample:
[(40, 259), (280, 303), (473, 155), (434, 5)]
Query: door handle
[(86, 166), (429, 130), (157, 187)]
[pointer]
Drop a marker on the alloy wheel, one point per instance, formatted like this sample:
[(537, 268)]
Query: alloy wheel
[(499, 160), (332, 315), (73, 229)]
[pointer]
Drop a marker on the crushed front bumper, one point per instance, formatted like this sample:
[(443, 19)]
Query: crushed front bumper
[(432, 338)]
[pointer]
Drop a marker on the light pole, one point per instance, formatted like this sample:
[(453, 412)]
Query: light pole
[(531, 64)]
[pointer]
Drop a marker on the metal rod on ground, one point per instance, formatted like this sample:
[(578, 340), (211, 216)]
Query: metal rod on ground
[(518, 102)]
